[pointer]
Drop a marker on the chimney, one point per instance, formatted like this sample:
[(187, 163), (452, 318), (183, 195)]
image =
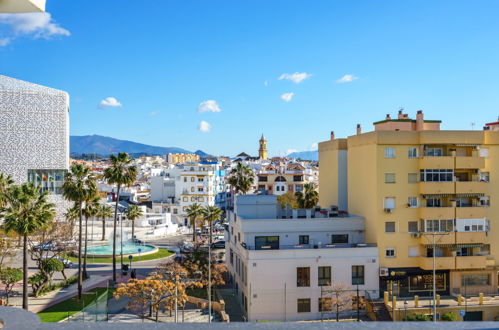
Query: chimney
[(388, 116), (332, 135), (359, 130), (401, 115), (419, 121)]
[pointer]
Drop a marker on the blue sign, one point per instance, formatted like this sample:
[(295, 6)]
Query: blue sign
[(130, 257), (140, 250), (462, 313)]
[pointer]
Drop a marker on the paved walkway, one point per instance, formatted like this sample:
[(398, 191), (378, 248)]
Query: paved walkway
[(232, 306)]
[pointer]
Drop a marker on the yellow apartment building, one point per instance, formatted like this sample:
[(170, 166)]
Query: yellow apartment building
[(414, 183)]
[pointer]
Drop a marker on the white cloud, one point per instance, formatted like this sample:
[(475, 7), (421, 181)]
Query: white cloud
[(4, 41), (204, 126), (347, 78), (290, 151), (35, 25), (314, 146), (209, 106), (286, 97), (109, 102), (153, 113), (296, 77)]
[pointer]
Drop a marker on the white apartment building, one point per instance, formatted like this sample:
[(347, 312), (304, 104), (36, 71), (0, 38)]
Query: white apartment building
[(280, 259)]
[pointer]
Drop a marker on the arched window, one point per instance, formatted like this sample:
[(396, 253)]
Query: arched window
[(280, 179)]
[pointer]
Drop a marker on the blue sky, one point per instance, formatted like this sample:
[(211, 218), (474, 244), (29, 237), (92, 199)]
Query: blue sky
[(159, 60)]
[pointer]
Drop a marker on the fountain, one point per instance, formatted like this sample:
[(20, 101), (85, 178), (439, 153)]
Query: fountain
[(129, 247)]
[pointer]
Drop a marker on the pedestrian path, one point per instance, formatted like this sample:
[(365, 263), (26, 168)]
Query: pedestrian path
[(232, 306)]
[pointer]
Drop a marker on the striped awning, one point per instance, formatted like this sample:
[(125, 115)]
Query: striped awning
[(466, 145), (450, 195), (470, 245), (471, 195), (436, 195)]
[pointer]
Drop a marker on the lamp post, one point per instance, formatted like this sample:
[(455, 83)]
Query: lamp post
[(121, 243)]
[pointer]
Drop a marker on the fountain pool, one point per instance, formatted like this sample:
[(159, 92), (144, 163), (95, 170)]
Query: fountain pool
[(128, 249)]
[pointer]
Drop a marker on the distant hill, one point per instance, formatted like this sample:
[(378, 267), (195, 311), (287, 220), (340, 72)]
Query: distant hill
[(305, 155), (201, 153), (104, 146)]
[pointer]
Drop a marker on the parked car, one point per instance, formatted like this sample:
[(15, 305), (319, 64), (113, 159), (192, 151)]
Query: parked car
[(186, 247), (218, 245), (219, 238), (47, 246)]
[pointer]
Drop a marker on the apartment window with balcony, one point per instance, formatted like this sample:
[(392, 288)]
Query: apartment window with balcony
[(325, 304), (267, 243), (303, 305), (389, 153), (412, 152), (200, 179), (434, 202), (389, 177), (303, 239), (302, 276), (357, 275), (339, 239), (297, 178), (324, 275), (390, 252), (200, 189), (412, 202), (389, 203), (475, 280), (445, 175), (412, 177), (435, 152), (389, 227), (412, 226), (192, 179), (441, 225)]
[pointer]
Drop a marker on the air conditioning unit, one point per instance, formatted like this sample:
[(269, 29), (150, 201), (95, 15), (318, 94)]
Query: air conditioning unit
[(383, 272), (388, 210), (415, 235)]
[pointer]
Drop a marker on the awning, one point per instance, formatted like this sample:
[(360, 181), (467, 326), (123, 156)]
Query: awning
[(471, 245), (471, 195), (436, 195)]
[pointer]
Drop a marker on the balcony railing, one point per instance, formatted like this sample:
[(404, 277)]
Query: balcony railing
[(308, 246)]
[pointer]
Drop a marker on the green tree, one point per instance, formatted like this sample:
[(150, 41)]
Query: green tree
[(308, 198), (287, 198), (241, 178), (27, 212), (104, 212), (120, 173), (79, 186), (194, 211), (133, 213), (89, 210), (9, 277)]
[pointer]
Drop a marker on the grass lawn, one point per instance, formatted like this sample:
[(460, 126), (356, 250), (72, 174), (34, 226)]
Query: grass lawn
[(162, 253), (68, 307)]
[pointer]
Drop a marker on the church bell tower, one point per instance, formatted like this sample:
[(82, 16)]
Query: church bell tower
[(262, 152)]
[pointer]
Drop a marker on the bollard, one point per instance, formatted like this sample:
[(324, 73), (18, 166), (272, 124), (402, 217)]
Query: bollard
[(385, 297), (416, 301), (394, 307), (438, 299), (480, 299), (459, 300)]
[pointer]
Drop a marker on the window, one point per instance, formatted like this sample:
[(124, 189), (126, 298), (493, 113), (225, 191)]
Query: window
[(192, 179), (48, 180), (200, 189), (303, 239), (297, 178), (324, 277), (389, 203), (413, 251), (325, 304), (185, 179), (193, 199), (412, 177), (192, 189), (185, 199), (262, 178), (303, 305), (298, 187), (445, 175), (437, 152), (357, 275), (239, 237), (433, 202), (389, 153), (175, 211), (412, 152), (389, 177), (200, 199), (439, 225), (412, 202), (390, 252), (231, 257), (389, 227), (412, 226), (484, 176), (339, 239), (200, 179), (475, 280), (266, 242), (302, 276)]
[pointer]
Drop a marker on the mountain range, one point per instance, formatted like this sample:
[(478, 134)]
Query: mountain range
[(305, 155), (104, 146)]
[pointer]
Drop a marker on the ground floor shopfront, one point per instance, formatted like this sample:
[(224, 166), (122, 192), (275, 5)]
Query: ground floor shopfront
[(409, 282)]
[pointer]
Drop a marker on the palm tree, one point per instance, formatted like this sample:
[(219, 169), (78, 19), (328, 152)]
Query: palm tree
[(104, 212), (121, 174), (194, 211), (5, 183), (72, 214), (89, 210), (78, 187), (308, 198), (27, 212), (241, 178), (132, 214)]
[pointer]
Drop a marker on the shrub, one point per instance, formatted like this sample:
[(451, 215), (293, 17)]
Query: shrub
[(9, 277), (449, 316), (417, 317), (62, 284)]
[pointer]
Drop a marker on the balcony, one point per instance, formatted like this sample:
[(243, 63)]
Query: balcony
[(472, 162), (471, 237), (471, 212), (436, 212), (444, 238), (471, 262), (441, 162), (440, 263), (427, 188), (471, 187)]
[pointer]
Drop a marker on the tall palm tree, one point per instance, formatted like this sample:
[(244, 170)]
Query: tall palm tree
[(27, 212), (241, 178), (132, 214), (79, 186), (89, 210), (104, 212), (308, 198), (120, 173), (194, 211), (72, 214), (5, 182)]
